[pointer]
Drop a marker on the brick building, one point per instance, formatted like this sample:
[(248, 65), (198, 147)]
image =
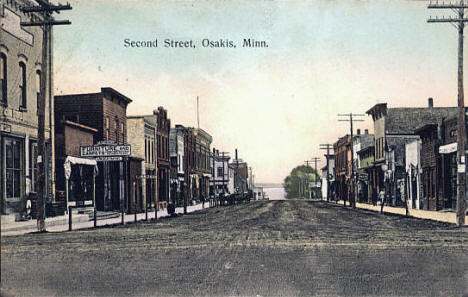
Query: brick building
[(104, 111), (20, 75), (162, 144), (343, 162), (202, 163)]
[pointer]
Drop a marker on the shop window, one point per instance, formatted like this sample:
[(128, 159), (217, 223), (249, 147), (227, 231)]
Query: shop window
[(13, 168), (23, 86), (32, 166), (3, 78), (146, 151)]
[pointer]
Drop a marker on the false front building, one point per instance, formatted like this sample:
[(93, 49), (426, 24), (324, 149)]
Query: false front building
[(118, 171), (20, 76)]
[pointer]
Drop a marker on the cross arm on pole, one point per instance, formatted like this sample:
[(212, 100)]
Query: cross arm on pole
[(55, 8), (50, 23), (444, 6), (447, 20)]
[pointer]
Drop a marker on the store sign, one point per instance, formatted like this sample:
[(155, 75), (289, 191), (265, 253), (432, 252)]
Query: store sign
[(105, 150), (5, 128), (448, 148), (107, 159)]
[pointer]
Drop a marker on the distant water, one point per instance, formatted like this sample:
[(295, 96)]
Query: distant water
[(276, 193)]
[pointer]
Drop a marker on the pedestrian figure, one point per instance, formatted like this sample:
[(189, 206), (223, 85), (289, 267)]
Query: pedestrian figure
[(382, 200)]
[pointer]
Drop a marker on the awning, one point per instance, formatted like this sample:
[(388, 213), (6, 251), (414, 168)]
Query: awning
[(206, 175), (78, 161), (448, 148)]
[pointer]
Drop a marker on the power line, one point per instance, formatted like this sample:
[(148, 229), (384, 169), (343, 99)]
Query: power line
[(459, 23), (327, 147), (351, 120), (46, 23)]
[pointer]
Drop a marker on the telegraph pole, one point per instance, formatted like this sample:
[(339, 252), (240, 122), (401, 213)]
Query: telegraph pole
[(353, 182), (459, 23), (306, 180), (327, 147), (46, 8), (315, 159)]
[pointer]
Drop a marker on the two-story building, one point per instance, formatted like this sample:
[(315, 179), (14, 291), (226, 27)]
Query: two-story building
[(162, 143), (141, 135), (343, 162), (20, 77), (393, 129), (202, 163), (177, 160), (220, 172), (363, 148), (105, 111)]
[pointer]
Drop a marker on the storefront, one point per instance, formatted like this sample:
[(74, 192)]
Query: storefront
[(18, 165)]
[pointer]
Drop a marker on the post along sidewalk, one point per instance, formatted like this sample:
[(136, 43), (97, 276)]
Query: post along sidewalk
[(441, 216), (82, 221)]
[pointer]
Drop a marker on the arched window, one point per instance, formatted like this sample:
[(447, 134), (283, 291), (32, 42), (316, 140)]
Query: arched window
[(3, 77), (23, 85)]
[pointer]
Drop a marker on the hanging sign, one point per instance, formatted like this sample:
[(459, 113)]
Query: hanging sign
[(105, 150)]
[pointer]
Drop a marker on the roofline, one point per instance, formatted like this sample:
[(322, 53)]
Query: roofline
[(111, 90), (78, 125)]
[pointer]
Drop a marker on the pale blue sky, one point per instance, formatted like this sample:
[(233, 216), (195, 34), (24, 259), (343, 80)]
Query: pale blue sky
[(275, 104)]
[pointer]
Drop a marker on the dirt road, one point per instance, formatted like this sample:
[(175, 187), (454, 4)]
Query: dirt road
[(268, 248)]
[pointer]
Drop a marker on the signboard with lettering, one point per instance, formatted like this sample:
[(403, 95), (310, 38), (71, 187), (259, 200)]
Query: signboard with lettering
[(105, 150), (5, 128), (106, 159)]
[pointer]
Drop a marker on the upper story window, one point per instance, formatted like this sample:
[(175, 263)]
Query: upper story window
[(107, 128), (116, 129), (3, 78), (453, 133), (122, 131), (23, 85)]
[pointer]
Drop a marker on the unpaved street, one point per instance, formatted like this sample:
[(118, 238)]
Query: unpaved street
[(271, 248)]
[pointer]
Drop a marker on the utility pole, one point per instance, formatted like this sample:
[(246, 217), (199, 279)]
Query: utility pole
[(353, 178), (306, 180), (315, 159), (46, 8), (459, 23), (327, 147)]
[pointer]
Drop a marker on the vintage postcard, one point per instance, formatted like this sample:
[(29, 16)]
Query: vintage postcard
[(233, 148)]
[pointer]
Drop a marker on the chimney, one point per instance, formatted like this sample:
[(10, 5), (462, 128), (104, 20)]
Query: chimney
[(236, 154), (358, 131), (366, 131), (430, 102)]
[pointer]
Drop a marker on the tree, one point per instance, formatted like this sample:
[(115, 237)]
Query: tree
[(296, 184)]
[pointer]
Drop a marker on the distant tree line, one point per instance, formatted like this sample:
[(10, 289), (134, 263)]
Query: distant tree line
[(296, 184)]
